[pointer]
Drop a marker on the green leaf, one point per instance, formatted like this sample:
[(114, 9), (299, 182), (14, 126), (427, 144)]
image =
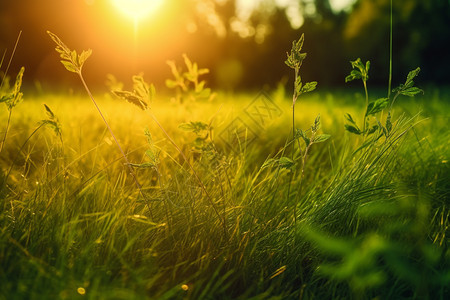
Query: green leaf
[(142, 88), (301, 134), (316, 125), (350, 119), (268, 163), (84, 56), (372, 130), (376, 106), (203, 71), (408, 89), (388, 123), (186, 126), (295, 57), (411, 92), (354, 74), (412, 74), (188, 62), (69, 66), (171, 83), (286, 162), (196, 127), (309, 87), (298, 88), (50, 113), (367, 66), (359, 71), (132, 98), (146, 165), (6, 98), (352, 129), (321, 138), (15, 97)]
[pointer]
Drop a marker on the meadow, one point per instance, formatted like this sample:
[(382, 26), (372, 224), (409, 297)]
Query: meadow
[(199, 194), (359, 224)]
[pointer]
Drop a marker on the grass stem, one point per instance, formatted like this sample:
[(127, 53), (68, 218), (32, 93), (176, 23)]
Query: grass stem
[(132, 173)]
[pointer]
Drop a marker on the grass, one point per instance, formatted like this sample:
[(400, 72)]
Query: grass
[(370, 224)]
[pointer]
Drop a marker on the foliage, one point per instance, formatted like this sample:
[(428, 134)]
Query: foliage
[(360, 224), (15, 96), (72, 61), (187, 85), (142, 93)]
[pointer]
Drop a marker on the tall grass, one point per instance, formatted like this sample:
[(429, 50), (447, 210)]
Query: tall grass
[(94, 233), (359, 219)]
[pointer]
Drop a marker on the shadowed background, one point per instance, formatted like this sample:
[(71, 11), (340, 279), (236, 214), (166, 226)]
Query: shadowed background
[(243, 43)]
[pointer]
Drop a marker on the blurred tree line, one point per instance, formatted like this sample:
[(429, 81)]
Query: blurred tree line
[(421, 35)]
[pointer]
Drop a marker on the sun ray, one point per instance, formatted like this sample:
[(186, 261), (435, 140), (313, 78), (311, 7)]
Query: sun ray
[(137, 9)]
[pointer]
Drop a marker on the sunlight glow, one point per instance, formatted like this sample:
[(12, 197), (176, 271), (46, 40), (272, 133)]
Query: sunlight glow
[(137, 9)]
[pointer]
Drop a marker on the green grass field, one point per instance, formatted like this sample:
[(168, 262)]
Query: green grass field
[(369, 223)]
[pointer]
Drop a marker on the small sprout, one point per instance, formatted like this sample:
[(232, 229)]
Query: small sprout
[(16, 96), (72, 61), (376, 106), (286, 163), (295, 58), (142, 93), (353, 129), (187, 84), (52, 121), (321, 138), (360, 71)]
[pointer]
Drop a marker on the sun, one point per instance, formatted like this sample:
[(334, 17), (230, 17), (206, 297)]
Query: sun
[(137, 9)]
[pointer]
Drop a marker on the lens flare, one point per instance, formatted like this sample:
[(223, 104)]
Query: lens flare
[(137, 9)]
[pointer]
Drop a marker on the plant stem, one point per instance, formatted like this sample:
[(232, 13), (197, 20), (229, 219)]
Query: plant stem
[(116, 141), (294, 100), (366, 92), (367, 104), (390, 55), (1, 86), (10, 59), (6, 130)]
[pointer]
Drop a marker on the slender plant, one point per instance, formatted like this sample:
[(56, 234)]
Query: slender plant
[(74, 62), (11, 100), (294, 61), (14, 97), (361, 71)]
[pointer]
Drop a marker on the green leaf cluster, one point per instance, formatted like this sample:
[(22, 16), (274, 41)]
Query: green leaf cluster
[(295, 60), (295, 57), (360, 71), (282, 162), (52, 122), (72, 61), (142, 94), (408, 88), (187, 83), (152, 154), (314, 138), (376, 106), (15, 96), (202, 132)]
